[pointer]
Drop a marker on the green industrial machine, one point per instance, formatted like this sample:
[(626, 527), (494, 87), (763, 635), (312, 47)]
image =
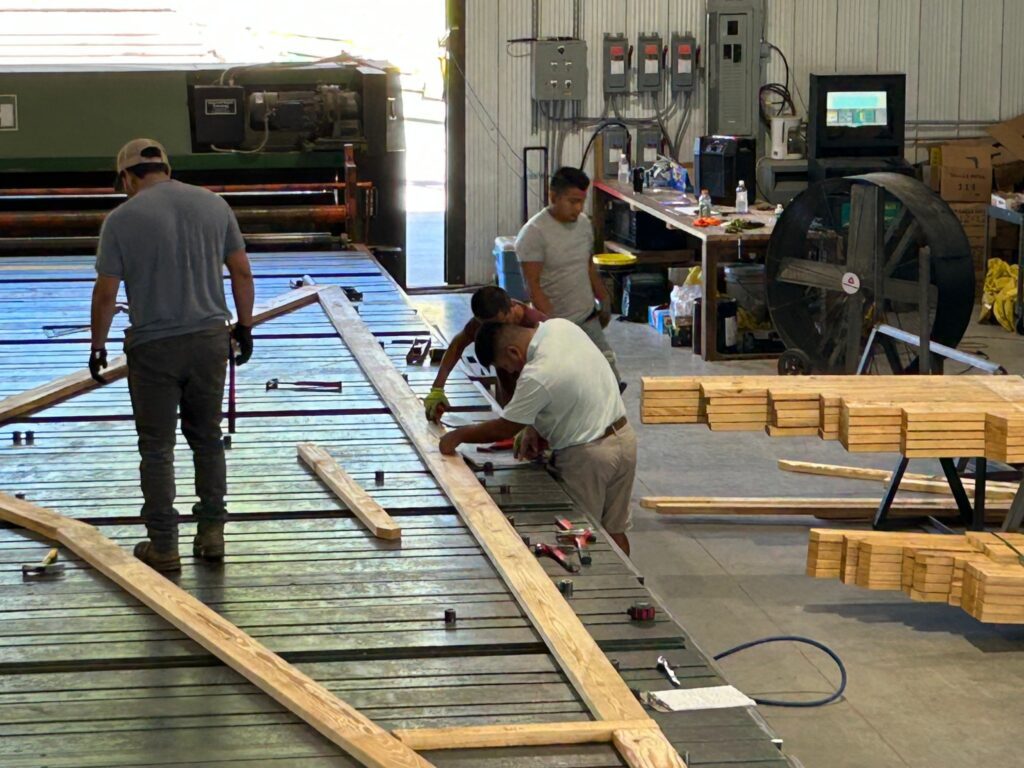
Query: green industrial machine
[(306, 153)]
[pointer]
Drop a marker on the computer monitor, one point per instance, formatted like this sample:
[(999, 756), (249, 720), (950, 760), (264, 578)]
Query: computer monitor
[(856, 115)]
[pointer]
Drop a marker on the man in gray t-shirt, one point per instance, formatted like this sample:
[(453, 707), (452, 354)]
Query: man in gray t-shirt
[(555, 249), (169, 243)]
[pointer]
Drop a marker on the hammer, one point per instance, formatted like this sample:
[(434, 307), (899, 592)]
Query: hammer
[(556, 554), (45, 567), (581, 537)]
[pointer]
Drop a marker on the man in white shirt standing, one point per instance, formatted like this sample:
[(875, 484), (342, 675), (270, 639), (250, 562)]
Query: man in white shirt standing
[(555, 249), (569, 398)]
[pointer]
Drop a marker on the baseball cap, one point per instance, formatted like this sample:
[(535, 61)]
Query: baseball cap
[(132, 154)]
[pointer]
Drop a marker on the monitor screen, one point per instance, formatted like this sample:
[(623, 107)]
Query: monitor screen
[(855, 109)]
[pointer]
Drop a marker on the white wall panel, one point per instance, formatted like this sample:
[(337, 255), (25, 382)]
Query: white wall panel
[(964, 61), (980, 58), (938, 82), (856, 35), (1011, 75)]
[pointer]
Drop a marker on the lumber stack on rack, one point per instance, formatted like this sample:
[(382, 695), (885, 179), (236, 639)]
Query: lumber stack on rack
[(981, 572), (919, 416)]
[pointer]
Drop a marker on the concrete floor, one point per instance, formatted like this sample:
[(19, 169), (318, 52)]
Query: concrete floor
[(929, 686)]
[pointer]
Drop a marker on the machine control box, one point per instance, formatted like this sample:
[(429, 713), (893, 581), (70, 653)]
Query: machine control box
[(649, 63), (559, 70), (615, 141), (219, 112), (648, 145), (616, 63), (682, 62)]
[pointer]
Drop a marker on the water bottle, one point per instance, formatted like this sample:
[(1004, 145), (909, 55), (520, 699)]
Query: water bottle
[(623, 168), (704, 203), (742, 205), (778, 212)]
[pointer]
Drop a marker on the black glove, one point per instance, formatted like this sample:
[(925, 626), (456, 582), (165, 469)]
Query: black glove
[(242, 334), (97, 362)]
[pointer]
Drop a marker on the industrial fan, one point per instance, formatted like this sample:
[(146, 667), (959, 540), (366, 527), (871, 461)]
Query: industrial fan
[(850, 253)]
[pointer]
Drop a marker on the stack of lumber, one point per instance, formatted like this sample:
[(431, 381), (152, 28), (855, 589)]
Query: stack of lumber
[(981, 572), (920, 416), (671, 400)]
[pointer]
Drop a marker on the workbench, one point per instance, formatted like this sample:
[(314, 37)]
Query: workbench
[(90, 677), (717, 247)]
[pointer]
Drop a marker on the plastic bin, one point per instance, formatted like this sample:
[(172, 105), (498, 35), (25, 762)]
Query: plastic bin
[(746, 283), (506, 267)]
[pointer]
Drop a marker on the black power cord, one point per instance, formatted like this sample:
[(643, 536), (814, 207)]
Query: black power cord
[(795, 639), (603, 126)]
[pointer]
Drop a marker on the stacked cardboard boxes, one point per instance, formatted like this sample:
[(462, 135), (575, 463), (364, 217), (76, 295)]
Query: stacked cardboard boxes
[(964, 174)]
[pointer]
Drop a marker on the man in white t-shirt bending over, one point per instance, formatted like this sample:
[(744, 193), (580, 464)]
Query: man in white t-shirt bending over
[(567, 396), (555, 249)]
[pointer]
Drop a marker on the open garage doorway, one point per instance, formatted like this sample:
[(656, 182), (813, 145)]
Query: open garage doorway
[(407, 33)]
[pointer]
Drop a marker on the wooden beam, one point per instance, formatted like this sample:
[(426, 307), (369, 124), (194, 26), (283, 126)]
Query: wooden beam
[(347, 727), (517, 734), (589, 671), (359, 502), (642, 748), (829, 507), (56, 391), (910, 482)]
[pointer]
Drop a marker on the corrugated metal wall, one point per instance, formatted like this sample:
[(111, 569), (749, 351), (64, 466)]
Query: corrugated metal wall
[(960, 74)]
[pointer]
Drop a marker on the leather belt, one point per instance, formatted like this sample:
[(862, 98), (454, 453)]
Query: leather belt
[(614, 427)]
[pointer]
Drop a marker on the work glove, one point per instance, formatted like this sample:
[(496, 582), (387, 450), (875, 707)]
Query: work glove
[(242, 337), (528, 444), (435, 404), (97, 362)]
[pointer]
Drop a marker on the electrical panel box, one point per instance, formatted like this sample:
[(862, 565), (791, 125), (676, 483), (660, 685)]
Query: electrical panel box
[(615, 141), (616, 63), (648, 63), (219, 112), (733, 64), (648, 145), (682, 61), (559, 70)]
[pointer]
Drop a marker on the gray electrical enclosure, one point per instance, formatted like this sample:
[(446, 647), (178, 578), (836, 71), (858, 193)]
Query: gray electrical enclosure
[(733, 65), (648, 63), (615, 140), (682, 61), (648, 145), (615, 63), (559, 70)]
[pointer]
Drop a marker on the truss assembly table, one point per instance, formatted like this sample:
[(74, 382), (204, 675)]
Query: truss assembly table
[(90, 676)]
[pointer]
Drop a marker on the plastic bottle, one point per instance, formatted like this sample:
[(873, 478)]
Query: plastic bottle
[(742, 205), (778, 211), (704, 203), (623, 168)]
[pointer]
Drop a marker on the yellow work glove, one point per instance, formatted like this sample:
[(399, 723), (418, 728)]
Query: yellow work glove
[(435, 403)]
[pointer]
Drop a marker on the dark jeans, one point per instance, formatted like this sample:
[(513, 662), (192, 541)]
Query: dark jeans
[(187, 372)]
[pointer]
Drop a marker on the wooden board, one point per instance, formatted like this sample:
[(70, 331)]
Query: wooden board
[(588, 669), (349, 491), (518, 735), (343, 725), (58, 390), (819, 507)]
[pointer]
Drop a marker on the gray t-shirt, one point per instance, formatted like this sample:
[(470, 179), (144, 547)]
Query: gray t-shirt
[(168, 245), (565, 250)]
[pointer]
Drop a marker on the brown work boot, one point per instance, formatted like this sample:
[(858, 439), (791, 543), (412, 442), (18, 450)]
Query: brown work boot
[(162, 560), (209, 541)]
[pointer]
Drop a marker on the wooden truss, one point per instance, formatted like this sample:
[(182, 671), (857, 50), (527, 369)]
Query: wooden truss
[(619, 717)]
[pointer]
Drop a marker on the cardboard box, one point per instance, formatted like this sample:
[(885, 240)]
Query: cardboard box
[(1010, 134), (964, 171), (973, 218), (659, 317)]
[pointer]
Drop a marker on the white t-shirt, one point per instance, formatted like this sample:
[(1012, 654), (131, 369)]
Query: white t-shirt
[(567, 390), (565, 250)]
